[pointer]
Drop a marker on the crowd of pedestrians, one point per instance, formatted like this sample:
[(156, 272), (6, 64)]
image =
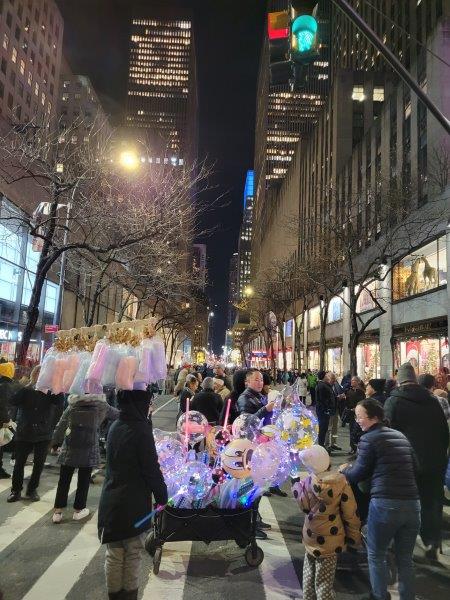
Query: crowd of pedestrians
[(393, 480)]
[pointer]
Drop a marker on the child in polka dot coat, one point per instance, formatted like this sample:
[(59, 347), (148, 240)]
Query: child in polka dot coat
[(331, 522)]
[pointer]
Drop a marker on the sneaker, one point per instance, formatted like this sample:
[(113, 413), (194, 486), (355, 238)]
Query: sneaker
[(33, 496), (57, 517), (277, 492), (81, 514), (267, 494), (431, 552), (14, 497), (4, 474), (334, 447), (262, 525), (260, 534)]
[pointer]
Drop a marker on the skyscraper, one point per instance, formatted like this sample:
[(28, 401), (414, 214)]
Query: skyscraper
[(162, 83), (245, 238)]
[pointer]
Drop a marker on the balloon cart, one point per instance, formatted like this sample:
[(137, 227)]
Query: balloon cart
[(206, 525)]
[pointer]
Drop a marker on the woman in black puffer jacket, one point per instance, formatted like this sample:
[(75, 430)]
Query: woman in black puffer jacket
[(386, 458), (238, 389)]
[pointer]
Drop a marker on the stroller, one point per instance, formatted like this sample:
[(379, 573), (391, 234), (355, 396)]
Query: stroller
[(205, 525)]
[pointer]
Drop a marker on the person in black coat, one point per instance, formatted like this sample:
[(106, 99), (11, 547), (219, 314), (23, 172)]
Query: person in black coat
[(387, 460), (353, 395), (207, 401), (325, 404), (132, 475), (416, 412), (238, 389), (33, 434), (375, 390), (251, 400), (8, 387), (188, 391)]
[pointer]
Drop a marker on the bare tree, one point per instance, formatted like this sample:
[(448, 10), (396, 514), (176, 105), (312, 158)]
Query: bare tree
[(87, 204)]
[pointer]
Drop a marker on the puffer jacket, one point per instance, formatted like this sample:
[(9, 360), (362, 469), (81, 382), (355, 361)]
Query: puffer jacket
[(8, 387), (386, 458), (35, 414), (415, 412), (331, 521), (77, 430), (238, 389), (252, 402)]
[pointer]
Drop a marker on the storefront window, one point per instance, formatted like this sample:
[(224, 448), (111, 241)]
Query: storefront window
[(365, 299), (288, 326), (32, 257), (51, 297), (368, 361), (335, 309), (9, 278), (423, 270), (10, 243), (314, 317), (425, 354), (333, 359), (313, 359), (28, 282)]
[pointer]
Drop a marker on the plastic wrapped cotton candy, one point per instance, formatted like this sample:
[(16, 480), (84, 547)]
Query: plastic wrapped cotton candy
[(44, 381), (158, 359), (73, 360), (145, 372), (99, 360), (61, 364), (126, 370), (117, 351), (79, 381)]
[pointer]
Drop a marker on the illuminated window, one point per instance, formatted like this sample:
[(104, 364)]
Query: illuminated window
[(14, 55), (5, 41), (22, 67), (358, 93), (378, 94)]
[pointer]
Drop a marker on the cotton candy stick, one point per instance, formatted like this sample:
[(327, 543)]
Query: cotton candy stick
[(227, 413), (186, 425)]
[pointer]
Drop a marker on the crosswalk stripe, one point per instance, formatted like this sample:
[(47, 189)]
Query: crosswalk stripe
[(68, 566), (277, 571), (5, 484), (15, 526), (170, 582)]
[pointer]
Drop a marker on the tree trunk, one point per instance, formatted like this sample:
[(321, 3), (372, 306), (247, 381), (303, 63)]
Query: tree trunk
[(354, 335), (283, 347), (323, 338)]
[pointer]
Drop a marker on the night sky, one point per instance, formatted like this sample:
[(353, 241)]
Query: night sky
[(228, 42)]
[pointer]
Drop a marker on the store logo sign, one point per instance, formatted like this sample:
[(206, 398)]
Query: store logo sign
[(10, 336)]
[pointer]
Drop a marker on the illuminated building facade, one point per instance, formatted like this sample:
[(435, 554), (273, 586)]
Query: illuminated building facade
[(162, 84), (245, 237), (233, 290)]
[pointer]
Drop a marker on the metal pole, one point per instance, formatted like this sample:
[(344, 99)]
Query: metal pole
[(349, 11)]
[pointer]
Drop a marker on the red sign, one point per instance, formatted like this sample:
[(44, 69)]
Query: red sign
[(51, 328), (278, 25)]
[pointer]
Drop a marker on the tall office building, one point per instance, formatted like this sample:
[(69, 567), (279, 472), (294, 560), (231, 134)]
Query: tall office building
[(245, 237), (31, 36), (283, 116), (233, 297), (162, 82)]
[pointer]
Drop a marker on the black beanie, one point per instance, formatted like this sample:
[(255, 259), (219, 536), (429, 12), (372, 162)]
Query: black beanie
[(377, 385)]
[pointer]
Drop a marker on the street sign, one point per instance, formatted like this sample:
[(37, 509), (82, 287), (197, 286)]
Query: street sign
[(51, 328)]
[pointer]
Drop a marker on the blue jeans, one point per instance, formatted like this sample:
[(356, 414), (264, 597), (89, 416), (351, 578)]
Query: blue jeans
[(397, 520)]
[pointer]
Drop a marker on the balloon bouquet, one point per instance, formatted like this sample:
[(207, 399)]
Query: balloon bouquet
[(239, 462)]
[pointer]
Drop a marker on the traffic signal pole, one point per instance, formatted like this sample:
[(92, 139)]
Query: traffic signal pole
[(349, 11)]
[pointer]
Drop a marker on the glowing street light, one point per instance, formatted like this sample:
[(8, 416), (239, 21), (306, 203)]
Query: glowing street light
[(129, 160), (248, 291)]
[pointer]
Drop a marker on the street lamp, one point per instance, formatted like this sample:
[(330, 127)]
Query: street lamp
[(248, 291), (129, 160), (211, 314)]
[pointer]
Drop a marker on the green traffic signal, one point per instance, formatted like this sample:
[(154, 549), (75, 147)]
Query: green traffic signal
[(304, 32)]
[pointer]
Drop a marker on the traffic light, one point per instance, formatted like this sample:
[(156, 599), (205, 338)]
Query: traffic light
[(304, 39), (279, 47)]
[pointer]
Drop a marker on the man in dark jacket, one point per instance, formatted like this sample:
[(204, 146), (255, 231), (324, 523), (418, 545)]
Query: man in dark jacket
[(415, 412), (207, 401), (219, 373), (251, 400), (34, 432), (8, 388), (132, 476), (325, 404)]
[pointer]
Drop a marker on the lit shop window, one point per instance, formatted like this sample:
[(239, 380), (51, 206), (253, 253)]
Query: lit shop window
[(365, 300), (335, 308), (421, 271), (314, 317)]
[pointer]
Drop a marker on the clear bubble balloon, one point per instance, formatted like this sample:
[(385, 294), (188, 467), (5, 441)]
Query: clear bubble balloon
[(298, 426), (170, 454), (246, 426), (195, 480), (265, 462), (197, 426)]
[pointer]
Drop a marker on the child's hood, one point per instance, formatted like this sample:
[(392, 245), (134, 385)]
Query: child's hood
[(327, 486)]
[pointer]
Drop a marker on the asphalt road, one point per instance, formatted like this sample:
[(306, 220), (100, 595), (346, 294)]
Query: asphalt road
[(42, 561)]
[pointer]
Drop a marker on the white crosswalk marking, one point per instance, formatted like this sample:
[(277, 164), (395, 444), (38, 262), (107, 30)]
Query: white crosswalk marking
[(5, 484), (30, 514), (68, 566), (169, 583), (277, 571)]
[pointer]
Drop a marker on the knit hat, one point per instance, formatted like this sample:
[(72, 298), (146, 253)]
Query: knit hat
[(406, 374), (377, 385), (315, 459), (7, 369)]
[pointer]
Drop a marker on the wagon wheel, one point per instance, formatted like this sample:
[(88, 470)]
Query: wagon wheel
[(254, 555), (157, 560)]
